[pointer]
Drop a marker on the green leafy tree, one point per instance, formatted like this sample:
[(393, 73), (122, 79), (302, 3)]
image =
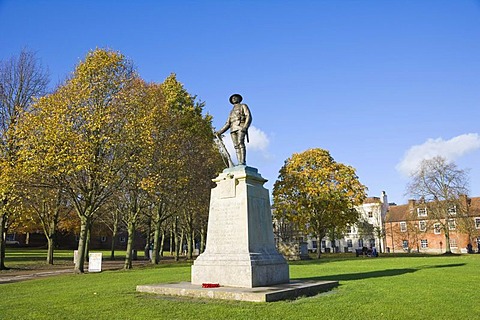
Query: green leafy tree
[(317, 194), (22, 79), (440, 185)]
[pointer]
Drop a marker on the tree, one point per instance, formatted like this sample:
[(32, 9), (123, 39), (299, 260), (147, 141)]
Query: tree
[(22, 79), (48, 207), (317, 194), (76, 135), (440, 185), (131, 198), (182, 159), (196, 150)]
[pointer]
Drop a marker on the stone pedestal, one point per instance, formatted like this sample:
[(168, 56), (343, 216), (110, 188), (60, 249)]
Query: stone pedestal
[(240, 249)]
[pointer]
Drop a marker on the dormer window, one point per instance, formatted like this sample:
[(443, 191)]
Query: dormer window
[(422, 212)]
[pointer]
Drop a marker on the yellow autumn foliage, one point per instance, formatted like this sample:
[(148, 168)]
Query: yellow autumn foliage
[(317, 194)]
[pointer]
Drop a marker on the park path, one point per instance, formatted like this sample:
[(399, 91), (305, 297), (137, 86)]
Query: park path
[(16, 275)]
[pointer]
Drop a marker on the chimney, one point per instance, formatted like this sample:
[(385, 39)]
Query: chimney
[(411, 204), (385, 205), (383, 197)]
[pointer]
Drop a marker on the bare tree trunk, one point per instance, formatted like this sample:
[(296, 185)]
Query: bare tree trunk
[(79, 266), (177, 240), (319, 246), (190, 239), (155, 250), (87, 243), (202, 240), (51, 245), (3, 231), (130, 243), (114, 237), (447, 242), (171, 241), (51, 240), (182, 241), (148, 239), (161, 243)]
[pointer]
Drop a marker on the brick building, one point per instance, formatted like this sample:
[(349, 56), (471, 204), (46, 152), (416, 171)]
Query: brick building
[(411, 227)]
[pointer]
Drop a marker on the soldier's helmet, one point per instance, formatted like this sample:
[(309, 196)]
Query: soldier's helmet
[(239, 97)]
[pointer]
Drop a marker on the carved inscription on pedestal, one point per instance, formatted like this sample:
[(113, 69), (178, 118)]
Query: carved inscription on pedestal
[(226, 226)]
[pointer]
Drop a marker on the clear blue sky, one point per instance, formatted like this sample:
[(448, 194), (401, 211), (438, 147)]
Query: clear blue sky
[(380, 84)]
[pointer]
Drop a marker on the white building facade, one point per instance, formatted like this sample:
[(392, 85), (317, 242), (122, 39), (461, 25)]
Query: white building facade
[(368, 232)]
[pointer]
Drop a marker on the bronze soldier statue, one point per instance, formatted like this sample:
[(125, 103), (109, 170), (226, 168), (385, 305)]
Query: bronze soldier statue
[(238, 121)]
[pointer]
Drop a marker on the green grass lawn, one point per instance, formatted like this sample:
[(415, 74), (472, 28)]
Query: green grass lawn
[(399, 287)]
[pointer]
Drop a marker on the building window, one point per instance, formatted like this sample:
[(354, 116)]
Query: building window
[(122, 239), (453, 243), (477, 223), (436, 228), (324, 244), (360, 243), (452, 211), (10, 237), (370, 214), (314, 244), (424, 243), (403, 226), (422, 225), (422, 212), (349, 243), (451, 224), (103, 239), (405, 244)]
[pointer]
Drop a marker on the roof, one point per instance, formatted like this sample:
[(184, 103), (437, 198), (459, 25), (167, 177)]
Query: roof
[(397, 213), (372, 200), (401, 212), (475, 207)]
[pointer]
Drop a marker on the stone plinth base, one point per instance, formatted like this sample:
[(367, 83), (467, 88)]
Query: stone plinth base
[(240, 249), (286, 291), (240, 270)]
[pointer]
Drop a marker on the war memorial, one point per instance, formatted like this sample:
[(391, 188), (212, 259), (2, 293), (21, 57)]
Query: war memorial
[(240, 261)]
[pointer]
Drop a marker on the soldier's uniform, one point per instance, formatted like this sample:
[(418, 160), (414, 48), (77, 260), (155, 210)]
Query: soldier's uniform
[(238, 121)]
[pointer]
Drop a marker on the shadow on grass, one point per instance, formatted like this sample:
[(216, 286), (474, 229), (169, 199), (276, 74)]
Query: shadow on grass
[(377, 274)]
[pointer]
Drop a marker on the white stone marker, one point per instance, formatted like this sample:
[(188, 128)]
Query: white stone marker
[(95, 262), (240, 249)]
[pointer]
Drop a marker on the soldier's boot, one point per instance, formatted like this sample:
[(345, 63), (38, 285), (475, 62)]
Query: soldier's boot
[(241, 156)]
